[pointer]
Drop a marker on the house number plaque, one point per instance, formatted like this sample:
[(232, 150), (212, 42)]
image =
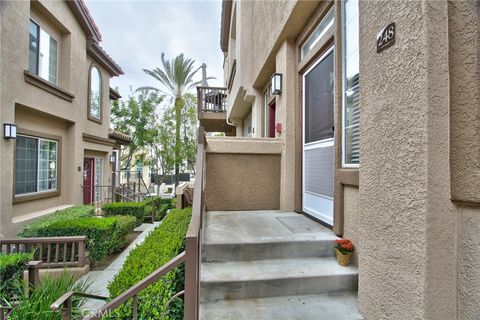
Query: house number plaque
[(386, 37)]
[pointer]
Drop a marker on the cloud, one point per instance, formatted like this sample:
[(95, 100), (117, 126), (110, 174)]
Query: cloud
[(135, 33)]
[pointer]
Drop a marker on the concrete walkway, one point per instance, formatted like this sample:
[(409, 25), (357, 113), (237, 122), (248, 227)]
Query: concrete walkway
[(100, 279)]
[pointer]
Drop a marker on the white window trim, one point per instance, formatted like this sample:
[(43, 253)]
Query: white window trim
[(320, 36), (344, 165)]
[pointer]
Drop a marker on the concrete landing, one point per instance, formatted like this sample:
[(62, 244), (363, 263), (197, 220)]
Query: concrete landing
[(333, 306), (261, 226)]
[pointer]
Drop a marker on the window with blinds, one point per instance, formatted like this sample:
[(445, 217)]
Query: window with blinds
[(351, 93)]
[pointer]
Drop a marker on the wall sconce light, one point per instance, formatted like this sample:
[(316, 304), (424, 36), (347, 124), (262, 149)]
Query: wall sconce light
[(9, 131), (113, 158), (276, 84)]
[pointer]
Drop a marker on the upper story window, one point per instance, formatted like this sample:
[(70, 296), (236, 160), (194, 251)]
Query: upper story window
[(36, 165), (43, 53), (351, 88), (319, 32), (95, 94)]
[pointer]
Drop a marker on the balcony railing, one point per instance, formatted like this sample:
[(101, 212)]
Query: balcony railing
[(211, 99)]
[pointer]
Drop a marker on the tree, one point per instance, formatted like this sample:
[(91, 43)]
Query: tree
[(164, 144), (176, 77), (137, 116)]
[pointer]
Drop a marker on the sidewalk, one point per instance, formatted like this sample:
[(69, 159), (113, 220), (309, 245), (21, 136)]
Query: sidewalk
[(100, 279)]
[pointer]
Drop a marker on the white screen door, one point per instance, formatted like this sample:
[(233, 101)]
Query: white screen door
[(318, 142)]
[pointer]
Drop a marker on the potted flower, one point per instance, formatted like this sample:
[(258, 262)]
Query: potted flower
[(343, 251)]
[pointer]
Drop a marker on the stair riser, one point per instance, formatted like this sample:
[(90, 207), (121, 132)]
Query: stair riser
[(214, 291), (265, 251)]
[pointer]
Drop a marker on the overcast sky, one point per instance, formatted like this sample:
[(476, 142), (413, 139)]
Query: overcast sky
[(135, 33)]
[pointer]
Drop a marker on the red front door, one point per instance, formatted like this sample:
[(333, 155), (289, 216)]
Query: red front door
[(271, 120), (88, 179)]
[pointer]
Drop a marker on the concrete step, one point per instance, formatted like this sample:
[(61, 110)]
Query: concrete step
[(284, 249), (263, 235), (330, 306), (278, 277)]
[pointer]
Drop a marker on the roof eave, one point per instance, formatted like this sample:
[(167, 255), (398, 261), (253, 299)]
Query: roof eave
[(225, 24), (82, 15), (103, 59), (114, 94)]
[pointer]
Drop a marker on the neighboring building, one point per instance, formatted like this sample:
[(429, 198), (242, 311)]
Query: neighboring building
[(55, 89), (374, 132)]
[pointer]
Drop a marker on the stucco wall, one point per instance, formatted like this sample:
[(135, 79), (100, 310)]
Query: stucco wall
[(464, 62), (254, 184), (351, 219), (407, 221), (468, 264), (242, 174), (37, 109)]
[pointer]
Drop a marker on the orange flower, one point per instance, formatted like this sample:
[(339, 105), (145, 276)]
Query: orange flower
[(344, 245)]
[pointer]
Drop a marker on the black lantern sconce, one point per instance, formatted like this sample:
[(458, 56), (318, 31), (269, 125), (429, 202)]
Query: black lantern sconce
[(9, 131)]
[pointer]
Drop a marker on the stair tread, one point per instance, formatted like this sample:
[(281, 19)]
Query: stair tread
[(334, 306), (246, 227), (213, 272)]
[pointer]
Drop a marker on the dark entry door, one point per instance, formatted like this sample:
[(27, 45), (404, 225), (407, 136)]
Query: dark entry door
[(88, 180), (271, 120), (318, 142)]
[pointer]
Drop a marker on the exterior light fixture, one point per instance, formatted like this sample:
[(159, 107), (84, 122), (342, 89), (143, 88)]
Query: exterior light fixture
[(9, 131), (276, 84), (113, 159)]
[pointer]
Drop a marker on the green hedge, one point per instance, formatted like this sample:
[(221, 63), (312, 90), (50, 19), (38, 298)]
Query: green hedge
[(11, 272), (159, 247), (136, 209), (31, 230), (159, 201), (105, 235)]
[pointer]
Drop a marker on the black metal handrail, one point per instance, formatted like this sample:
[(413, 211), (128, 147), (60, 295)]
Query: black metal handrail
[(211, 99)]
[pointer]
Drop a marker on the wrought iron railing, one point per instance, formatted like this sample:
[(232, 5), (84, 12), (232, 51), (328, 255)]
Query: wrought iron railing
[(211, 99)]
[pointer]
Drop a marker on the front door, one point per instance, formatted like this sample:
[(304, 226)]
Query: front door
[(318, 142), (88, 180), (272, 110)]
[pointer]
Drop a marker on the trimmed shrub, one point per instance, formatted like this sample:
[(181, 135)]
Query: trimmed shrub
[(136, 209), (162, 211), (11, 272), (105, 235), (159, 247), (159, 202), (31, 230)]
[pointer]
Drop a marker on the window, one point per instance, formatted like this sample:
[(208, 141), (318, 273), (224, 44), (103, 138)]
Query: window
[(351, 93), (95, 101), (35, 165), (319, 32), (43, 53)]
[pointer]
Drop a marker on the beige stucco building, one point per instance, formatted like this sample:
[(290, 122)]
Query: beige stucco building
[(374, 132), (54, 88)]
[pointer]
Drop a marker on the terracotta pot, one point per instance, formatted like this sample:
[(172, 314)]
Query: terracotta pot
[(343, 259)]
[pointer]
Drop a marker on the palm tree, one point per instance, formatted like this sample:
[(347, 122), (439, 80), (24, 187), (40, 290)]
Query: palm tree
[(176, 76)]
